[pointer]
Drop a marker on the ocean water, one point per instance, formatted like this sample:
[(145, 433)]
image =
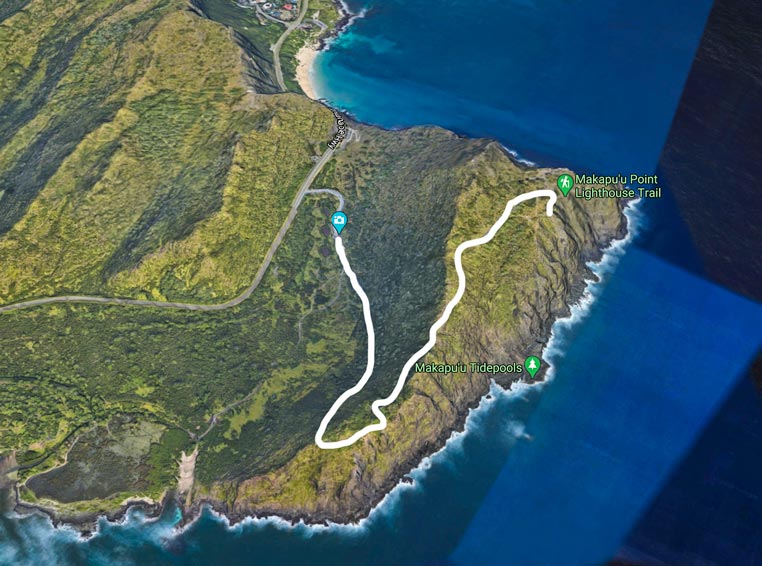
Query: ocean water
[(390, 536), (589, 85), (636, 383), (444, 492)]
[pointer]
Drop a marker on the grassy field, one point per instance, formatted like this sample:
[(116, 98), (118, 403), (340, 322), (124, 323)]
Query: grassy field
[(135, 163)]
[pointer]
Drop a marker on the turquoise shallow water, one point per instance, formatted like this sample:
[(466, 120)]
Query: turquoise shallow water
[(588, 84), (591, 85)]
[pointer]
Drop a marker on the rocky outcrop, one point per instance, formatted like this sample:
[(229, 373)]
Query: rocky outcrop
[(518, 286), (412, 195)]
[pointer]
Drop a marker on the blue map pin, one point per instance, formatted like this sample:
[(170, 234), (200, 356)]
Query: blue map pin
[(339, 220)]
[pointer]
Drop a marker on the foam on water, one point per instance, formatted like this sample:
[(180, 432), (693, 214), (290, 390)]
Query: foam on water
[(33, 540), (39, 538), (554, 350), (515, 154)]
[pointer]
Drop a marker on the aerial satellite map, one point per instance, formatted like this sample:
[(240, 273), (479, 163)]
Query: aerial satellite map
[(380, 282)]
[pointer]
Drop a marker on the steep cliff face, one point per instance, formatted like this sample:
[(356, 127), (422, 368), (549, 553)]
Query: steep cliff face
[(518, 285), (139, 163), (258, 58)]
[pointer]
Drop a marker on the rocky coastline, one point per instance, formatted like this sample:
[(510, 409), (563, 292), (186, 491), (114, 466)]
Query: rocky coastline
[(366, 492), (373, 495), (579, 276)]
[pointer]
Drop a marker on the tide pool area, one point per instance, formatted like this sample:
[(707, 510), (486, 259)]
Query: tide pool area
[(590, 85), (636, 385)]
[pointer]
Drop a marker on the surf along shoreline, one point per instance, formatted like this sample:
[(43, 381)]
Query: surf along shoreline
[(592, 278), (597, 271), (307, 54), (87, 524), (587, 280)]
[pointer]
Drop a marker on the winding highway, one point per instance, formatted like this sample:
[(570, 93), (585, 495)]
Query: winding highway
[(303, 7), (303, 189)]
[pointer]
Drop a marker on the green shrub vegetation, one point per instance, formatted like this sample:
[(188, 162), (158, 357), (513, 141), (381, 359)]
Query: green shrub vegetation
[(146, 145), (136, 161)]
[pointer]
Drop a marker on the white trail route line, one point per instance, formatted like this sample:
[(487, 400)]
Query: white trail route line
[(379, 403)]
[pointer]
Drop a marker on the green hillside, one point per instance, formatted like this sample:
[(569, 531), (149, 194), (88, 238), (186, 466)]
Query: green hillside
[(143, 155), (128, 139)]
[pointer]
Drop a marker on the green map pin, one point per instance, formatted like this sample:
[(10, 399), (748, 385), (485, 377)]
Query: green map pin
[(565, 183), (532, 363)]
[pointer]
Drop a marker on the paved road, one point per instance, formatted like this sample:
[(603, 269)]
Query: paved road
[(333, 192), (303, 6), (322, 26), (268, 16), (194, 306)]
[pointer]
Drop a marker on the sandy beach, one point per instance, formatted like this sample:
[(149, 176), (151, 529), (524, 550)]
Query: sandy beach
[(305, 58)]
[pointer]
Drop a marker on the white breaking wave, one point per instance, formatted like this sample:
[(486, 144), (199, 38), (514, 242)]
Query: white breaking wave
[(352, 17), (412, 480), (46, 536), (517, 156), (555, 348)]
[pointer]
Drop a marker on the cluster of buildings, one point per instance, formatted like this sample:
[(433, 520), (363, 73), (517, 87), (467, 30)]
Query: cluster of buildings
[(283, 10)]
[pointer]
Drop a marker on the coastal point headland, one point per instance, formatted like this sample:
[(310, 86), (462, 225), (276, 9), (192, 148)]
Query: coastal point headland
[(194, 161)]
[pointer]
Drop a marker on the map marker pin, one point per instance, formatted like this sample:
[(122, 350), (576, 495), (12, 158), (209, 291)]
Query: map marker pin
[(565, 183), (339, 220), (532, 364)]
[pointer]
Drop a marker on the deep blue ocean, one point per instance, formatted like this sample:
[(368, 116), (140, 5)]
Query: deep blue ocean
[(590, 84), (550, 474)]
